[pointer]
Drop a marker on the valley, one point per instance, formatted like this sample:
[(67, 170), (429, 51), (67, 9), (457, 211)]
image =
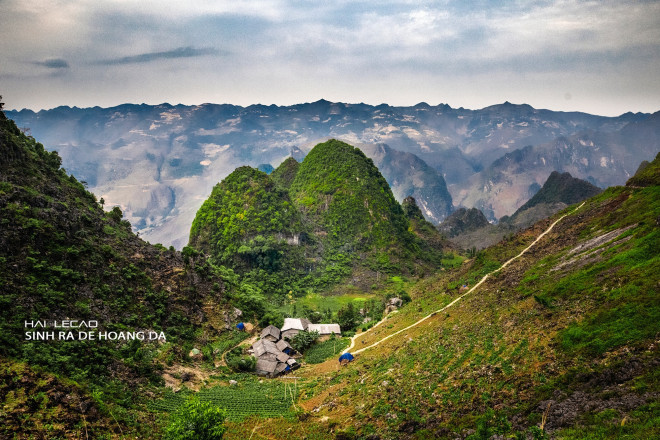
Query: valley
[(550, 332)]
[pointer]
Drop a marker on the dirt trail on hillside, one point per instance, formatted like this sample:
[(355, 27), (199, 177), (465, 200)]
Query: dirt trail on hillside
[(353, 339)]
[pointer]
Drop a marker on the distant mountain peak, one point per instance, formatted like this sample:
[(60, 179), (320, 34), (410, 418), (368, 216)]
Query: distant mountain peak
[(561, 188), (463, 220)]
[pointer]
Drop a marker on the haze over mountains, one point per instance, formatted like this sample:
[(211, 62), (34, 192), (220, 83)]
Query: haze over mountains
[(159, 163)]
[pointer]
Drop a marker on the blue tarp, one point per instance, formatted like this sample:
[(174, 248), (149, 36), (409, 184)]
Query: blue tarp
[(240, 326), (349, 357)]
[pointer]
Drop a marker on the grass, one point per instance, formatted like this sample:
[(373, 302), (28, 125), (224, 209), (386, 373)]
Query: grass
[(513, 342), (335, 302), (322, 351)]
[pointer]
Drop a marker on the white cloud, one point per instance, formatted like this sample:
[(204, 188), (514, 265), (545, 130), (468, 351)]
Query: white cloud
[(290, 51)]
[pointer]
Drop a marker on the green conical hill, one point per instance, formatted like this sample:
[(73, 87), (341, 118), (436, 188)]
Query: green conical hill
[(247, 222), (347, 200), (312, 224)]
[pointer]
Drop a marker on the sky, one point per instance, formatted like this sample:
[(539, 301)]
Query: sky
[(600, 57)]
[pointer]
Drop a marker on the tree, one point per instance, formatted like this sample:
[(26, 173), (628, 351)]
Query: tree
[(116, 214), (303, 340), (348, 317), (196, 420)]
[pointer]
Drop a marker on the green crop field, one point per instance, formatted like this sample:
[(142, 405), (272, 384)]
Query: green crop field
[(321, 351), (268, 399), (318, 302)]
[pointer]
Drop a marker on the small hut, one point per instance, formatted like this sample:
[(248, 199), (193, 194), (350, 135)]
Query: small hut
[(266, 367), (284, 346), (292, 326), (263, 347), (325, 330), (273, 357), (271, 333)]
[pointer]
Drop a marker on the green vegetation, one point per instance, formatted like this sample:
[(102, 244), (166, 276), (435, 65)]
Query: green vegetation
[(284, 174), (62, 256), (267, 399), (322, 351), (196, 420), (562, 343), (648, 174), (238, 361), (308, 228), (303, 340), (573, 321), (348, 199)]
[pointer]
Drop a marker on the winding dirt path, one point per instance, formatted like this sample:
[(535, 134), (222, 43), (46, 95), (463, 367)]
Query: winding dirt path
[(353, 339)]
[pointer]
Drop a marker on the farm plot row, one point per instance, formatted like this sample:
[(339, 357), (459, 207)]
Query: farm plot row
[(265, 400)]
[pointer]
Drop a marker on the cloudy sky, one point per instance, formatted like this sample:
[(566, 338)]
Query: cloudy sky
[(601, 57)]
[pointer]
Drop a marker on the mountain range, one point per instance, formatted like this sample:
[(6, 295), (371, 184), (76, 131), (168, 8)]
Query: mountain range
[(160, 162), (550, 333)]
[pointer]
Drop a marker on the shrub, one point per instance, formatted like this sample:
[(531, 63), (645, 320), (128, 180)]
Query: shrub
[(238, 362), (196, 420)]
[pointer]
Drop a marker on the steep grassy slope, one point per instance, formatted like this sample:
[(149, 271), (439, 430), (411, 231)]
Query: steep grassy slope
[(63, 257), (562, 342)]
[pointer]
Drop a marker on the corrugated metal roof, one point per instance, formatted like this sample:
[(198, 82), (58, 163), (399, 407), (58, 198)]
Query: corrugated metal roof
[(325, 329), (295, 324)]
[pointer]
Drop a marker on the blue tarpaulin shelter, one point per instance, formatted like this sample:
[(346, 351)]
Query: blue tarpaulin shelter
[(346, 356), (240, 326)]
